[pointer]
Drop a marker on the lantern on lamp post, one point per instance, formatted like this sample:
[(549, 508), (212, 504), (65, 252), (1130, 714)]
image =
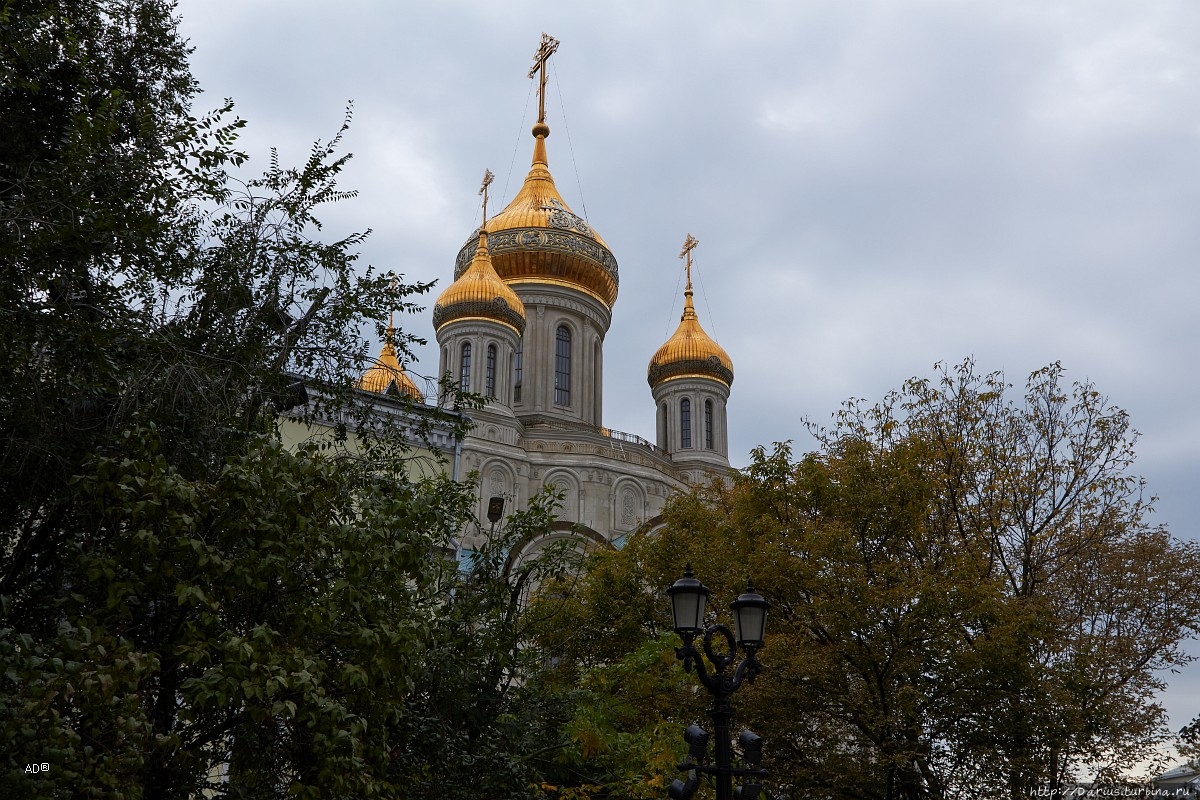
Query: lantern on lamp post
[(689, 600)]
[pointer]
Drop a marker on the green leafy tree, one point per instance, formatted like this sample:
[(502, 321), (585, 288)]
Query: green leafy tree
[(476, 724), (183, 605), (293, 628), (967, 596), (254, 634), (144, 284), (611, 663)]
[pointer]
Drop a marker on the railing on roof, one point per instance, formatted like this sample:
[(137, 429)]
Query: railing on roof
[(629, 438), (609, 433)]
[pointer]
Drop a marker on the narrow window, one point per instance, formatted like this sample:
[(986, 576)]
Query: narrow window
[(489, 380), (597, 383), (517, 374), (562, 366), (685, 423), (464, 377), (708, 438)]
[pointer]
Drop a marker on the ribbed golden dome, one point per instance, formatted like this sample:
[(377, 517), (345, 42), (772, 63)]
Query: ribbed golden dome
[(690, 352), (478, 293), (386, 376), (538, 239)]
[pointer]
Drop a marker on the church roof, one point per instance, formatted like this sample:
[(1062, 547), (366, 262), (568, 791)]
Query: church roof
[(538, 239), (478, 293), (386, 376), (690, 352)]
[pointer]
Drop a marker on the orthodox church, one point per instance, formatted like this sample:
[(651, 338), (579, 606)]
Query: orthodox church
[(523, 324)]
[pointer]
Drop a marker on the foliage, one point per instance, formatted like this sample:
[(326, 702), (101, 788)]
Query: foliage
[(473, 726), (1097, 598), (607, 638), (270, 620), (183, 604), (967, 595), (144, 285), (283, 631)]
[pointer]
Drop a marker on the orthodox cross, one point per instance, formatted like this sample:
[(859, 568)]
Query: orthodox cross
[(393, 284), (547, 48), (488, 177), (689, 244)]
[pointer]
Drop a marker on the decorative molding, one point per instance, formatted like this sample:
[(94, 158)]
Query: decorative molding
[(628, 508), (710, 367), (497, 485), (520, 240), (496, 309), (562, 217), (597, 313)]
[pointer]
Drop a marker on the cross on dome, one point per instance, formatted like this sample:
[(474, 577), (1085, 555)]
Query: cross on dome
[(536, 238), (545, 50), (689, 244), (393, 284), (488, 177)]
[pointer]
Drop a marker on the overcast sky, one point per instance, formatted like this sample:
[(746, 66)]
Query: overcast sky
[(876, 186)]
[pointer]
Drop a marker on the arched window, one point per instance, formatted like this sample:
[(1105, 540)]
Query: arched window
[(708, 433), (662, 427), (685, 423), (517, 373), (464, 367), (562, 366), (489, 378)]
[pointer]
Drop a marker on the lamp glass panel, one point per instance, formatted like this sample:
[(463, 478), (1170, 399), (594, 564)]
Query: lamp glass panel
[(688, 609), (701, 602), (751, 622)]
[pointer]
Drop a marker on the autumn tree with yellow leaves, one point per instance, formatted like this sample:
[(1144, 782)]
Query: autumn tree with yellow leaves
[(968, 597)]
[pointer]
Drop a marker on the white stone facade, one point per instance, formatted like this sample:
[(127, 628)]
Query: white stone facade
[(527, 438)]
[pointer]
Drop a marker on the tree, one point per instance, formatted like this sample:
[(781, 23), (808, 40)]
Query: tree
[(612, 666), (1099, 596), (476, 722), (253, 633), (144, 284), (287, 630), (183, 605), (967, 595)]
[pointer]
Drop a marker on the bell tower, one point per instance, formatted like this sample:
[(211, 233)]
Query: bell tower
[(690, 377), (479, 322)]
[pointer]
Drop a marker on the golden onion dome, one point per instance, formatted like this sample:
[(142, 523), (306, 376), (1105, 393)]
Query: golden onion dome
[(538, 239), (690, 352), (478, 293), (386, 376)]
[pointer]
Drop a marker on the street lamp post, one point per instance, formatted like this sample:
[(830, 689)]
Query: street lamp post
[(689, 598)]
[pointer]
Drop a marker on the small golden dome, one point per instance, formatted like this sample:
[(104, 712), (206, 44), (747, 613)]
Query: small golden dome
[(538, 239), (479, 293), (386, 376), (690, 352)]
